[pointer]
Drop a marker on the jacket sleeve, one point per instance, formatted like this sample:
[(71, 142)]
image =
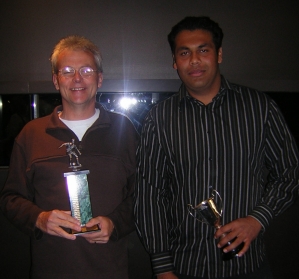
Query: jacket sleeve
[(123, 217), (17, 195)]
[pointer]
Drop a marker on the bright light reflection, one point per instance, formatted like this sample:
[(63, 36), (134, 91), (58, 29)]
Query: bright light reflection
[(126, 102), (72, 185)]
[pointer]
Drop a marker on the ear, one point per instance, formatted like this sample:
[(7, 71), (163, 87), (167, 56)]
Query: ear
[(100, 79), (174, 65), (55, 81), (220, 55)]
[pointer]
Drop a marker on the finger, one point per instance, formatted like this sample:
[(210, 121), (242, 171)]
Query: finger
[(64, 219), (227, 238), (223, 231), (94, 221), (97, 237), (232, 244), (66, 215), (59, 224), (244, 249), (53, 221), (101, 222), (62, 233), (70, 224), (55, 230), (92, 235)]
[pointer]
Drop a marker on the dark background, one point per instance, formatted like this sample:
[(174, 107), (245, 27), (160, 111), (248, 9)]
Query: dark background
[(260, 47)]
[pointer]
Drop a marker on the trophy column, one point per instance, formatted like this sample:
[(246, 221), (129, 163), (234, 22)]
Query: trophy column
[(77, 185)]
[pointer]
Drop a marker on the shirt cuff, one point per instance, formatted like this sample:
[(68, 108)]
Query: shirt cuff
[(263, 214), (162, 262)]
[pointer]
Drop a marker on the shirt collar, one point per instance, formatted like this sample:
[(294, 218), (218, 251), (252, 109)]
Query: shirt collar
[(217, 100)]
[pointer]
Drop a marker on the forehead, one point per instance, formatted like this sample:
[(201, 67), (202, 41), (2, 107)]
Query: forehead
[(187, 38), (69, 57)]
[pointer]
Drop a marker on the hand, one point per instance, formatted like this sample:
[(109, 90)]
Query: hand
[(243, 229), (103, 235), (51, 222), (167, 275)]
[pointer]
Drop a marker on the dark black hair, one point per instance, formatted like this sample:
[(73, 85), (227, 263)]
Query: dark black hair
[(192, 23)]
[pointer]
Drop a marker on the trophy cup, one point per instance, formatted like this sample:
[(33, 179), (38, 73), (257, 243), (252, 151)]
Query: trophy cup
[(77, 185), (210, 213)]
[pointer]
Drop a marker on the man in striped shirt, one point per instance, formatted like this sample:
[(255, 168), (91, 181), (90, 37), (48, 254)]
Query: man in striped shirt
[(216, 135)]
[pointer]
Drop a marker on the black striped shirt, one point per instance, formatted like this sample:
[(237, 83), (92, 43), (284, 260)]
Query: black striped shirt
[(186, 150)]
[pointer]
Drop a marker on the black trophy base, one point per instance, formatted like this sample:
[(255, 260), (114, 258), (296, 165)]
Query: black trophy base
[(233, 253), (84, 229)]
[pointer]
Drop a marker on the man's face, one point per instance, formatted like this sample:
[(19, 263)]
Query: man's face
[(77, 91), (197, 62)]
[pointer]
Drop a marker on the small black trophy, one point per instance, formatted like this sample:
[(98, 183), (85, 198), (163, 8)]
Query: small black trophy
[(77, 185)]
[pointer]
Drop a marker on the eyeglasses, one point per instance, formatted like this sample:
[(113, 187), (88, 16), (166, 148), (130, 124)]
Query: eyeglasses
[(69, 72)]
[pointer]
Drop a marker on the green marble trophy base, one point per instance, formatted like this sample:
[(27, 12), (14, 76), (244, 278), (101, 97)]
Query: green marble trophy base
[(77, 185)]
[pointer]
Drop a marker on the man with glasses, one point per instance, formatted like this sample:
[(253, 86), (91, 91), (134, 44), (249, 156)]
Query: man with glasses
[(36, 198)]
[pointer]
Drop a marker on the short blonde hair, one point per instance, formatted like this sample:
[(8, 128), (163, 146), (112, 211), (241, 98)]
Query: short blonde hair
[(75, 42)]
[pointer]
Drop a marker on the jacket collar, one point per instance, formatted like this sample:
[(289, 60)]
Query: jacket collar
[(55, 123)]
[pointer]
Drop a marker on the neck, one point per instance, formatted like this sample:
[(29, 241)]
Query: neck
[(73, 115), (208, 92)]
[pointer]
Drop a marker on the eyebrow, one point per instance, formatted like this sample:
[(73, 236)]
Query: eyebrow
[(203, 45), (185, 47)]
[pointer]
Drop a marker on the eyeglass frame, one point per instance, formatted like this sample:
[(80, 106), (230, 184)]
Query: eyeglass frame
[(74, 73)]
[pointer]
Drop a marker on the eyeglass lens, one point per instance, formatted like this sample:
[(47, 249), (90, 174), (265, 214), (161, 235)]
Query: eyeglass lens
[(70, 72)]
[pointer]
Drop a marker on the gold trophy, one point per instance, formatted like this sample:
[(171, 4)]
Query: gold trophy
[(77, 185), (210, 213)]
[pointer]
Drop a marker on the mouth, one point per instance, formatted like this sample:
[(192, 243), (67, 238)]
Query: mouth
[(196, 73), (77, 89)]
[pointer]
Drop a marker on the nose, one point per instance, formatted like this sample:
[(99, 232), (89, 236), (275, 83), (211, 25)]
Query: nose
[(194, 59), (77, 77)]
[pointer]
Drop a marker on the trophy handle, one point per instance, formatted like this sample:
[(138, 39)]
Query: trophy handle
[(209, 211), (221, 203), (190, 206)]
